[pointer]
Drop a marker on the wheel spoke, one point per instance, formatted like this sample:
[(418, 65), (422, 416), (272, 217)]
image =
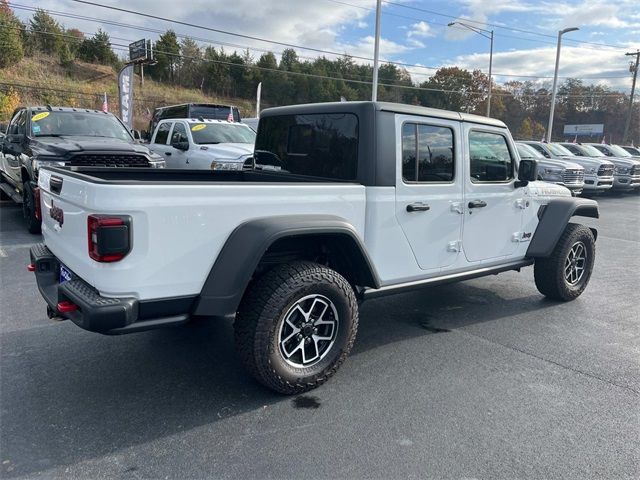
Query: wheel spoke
[(298, 347)]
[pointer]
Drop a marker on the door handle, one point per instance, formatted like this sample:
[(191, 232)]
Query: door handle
[(418, 207), (477, 204), (168, 154)]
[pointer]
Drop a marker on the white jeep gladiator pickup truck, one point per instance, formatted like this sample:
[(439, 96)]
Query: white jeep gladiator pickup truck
[(344, 202)]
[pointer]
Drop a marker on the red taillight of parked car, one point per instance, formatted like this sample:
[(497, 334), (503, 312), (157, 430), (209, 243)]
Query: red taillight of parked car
[(36, 200), (108, 237)]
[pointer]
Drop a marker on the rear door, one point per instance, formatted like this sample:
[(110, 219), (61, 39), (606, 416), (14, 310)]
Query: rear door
[(493, 206), (429, 185)]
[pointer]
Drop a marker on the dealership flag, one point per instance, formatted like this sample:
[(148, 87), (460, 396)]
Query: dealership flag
[(230, 116), (575, 140), (604, 140), (105, 104), (125, 87)]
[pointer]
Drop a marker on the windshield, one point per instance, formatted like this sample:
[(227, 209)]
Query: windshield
[(526, 151), (211, 133), (559, 150), (619, 151), (87, 124), (592, 151)]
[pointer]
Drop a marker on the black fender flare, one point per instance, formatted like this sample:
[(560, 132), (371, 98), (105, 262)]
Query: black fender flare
[(237, 261), (554, 218)]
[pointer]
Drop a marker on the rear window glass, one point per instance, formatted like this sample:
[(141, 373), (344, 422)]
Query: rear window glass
[(318, 145)]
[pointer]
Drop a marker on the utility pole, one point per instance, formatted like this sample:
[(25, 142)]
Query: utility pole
[(555, 81), (486, 34), (634, 69), (376, 53)]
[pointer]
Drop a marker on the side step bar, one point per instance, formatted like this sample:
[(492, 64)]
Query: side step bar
[(11, 192), (369, 293)]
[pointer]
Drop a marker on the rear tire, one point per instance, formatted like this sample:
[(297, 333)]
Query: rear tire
[(565, 274), (29, 209), (295, 326)]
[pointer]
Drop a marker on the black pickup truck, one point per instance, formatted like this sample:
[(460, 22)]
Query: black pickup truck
[(62, 136)]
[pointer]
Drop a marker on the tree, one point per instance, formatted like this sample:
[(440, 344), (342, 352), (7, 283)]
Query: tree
[(190, 63), (10, 36), (45, 34), (167, 53), (97, 49)]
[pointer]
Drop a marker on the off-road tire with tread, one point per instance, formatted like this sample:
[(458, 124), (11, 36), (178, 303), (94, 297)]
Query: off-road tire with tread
[(28, 209), (549, 272), (263, 309)]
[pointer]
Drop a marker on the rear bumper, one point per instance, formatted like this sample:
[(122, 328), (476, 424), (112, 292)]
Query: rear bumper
[(103, 314)]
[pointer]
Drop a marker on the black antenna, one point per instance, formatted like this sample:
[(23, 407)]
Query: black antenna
[(49, 108)]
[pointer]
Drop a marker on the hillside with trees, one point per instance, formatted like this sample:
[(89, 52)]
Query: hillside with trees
[(76, 69)]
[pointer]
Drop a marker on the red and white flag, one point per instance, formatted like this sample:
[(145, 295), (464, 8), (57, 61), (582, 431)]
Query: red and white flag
[(604, 140), (230, 116), (105, 104), (575, 140)]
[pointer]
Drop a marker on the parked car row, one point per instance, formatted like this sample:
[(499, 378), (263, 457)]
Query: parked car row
[(585, 167)]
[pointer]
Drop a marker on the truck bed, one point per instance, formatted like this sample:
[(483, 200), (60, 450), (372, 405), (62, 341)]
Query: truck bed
[(180, 219)]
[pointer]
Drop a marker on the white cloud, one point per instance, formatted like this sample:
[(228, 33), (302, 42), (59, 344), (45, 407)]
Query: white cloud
[(575, 62), (420, 29)]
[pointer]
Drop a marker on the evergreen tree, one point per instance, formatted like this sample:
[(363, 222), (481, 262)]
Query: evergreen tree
[(45, 34), (10, 36)]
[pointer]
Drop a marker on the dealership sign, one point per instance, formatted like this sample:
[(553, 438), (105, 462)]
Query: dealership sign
[(138, 51), (586, 129)]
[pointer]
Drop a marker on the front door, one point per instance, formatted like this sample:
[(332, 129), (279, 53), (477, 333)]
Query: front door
[(493, 206), (429, 184), (179, 158)]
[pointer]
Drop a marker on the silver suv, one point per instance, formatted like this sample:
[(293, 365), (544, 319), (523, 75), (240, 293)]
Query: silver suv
[(598, 175), (553, 170)]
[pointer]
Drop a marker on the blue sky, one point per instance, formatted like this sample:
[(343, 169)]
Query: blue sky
[(413, 31)]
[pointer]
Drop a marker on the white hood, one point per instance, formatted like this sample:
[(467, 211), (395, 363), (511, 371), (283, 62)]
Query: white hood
[(227, 151)]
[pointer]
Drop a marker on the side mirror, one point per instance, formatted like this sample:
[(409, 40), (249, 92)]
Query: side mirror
[(16, 138), (527, 172), (184, 146)]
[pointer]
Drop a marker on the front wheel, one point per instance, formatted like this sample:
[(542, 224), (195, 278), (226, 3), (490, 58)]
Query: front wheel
[(29, 208), (296, 325), (565, 274)]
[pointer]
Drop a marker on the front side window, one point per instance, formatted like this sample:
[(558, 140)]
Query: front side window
[(573, 149), (163, 133), (19, 123), (540, 149), (179, 133), (427, 153), (490, 157), (321, 145)]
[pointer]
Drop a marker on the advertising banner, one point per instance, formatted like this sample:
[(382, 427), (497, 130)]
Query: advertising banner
[(125, 87)]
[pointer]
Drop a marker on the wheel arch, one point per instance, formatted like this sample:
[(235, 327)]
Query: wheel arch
[(554, 218), (257, 243)]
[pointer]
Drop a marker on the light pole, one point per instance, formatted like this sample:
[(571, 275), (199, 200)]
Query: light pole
[(633, 69), (555, 80), (376, 53), (486, 34)]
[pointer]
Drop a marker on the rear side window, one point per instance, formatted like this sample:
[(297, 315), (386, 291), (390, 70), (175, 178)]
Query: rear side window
[(427, 153), (317, 145), (163, 133), (490, 157)]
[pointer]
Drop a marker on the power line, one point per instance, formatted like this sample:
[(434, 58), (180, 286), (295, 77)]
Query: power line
[(181, 35), (123, 47), (494, 25)]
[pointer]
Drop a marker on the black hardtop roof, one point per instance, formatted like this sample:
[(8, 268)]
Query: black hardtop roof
[(336, 107)]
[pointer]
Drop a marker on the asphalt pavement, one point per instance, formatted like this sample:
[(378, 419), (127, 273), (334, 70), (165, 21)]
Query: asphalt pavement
[(481, 379)]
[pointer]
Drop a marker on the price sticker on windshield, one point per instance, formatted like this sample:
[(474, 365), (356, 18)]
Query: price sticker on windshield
[(197, 128), (39, 116)]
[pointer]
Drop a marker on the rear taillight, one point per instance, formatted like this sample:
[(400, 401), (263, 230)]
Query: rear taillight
[(36, 200), (108, 237)]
